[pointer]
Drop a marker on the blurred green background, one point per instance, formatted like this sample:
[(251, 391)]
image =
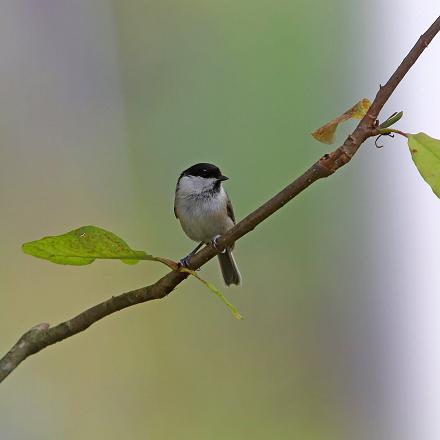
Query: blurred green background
[(104, 104)]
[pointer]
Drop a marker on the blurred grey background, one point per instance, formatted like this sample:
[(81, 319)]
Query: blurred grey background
[(104, 103)]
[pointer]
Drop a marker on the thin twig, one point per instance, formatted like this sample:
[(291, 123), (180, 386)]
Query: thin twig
[(42, 336)]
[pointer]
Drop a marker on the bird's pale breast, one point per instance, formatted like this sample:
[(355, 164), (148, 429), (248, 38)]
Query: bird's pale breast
[(204, 218)]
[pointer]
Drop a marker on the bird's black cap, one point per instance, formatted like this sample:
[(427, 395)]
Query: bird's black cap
[(206, 170)]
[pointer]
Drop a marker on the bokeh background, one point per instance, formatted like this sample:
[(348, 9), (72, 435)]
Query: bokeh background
[(103, 104)]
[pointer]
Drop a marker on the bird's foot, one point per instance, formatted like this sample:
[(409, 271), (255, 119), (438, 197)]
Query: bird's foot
[(184, 262), (216, 246)]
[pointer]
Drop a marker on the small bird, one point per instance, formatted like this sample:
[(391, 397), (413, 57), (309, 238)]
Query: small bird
[(205, 213)]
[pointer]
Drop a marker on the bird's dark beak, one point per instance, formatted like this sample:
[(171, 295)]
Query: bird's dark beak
[(222, 178)]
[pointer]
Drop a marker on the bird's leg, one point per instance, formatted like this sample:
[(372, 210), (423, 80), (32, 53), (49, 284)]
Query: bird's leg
[(185, 261)]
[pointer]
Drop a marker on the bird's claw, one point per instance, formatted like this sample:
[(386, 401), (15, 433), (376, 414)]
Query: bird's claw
[(184, 262), (215, 244)]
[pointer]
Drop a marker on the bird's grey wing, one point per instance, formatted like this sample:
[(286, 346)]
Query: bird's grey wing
[(175, 212), (230, 210), (231, 215)]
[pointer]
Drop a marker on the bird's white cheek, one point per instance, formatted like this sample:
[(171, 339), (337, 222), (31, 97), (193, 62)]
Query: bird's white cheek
[(193, 185)]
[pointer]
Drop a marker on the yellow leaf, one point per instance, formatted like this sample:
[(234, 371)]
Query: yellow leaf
[(326, 133), (359, 110)]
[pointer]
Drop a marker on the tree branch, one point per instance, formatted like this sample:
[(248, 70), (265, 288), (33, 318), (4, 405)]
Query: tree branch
[(43, 335)]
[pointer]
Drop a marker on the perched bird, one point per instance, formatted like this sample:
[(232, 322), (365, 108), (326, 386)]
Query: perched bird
[(205, 213)]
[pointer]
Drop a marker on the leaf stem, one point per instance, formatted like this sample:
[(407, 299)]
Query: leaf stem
[(392, 130), (214, 289)]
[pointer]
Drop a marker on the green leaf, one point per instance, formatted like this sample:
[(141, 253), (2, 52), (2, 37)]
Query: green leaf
[(425, 152), (214, 289), (391, 120), (83, 246)]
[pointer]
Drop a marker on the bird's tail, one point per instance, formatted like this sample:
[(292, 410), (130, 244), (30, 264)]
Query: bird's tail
[(229, 268)]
